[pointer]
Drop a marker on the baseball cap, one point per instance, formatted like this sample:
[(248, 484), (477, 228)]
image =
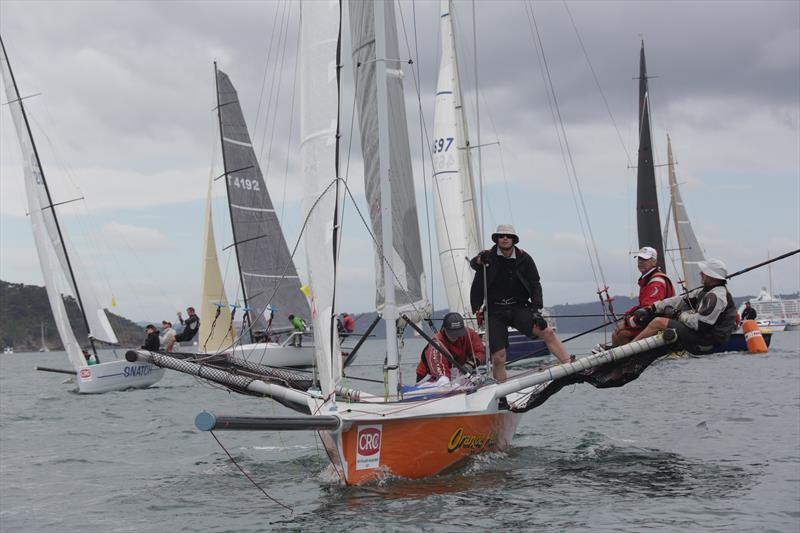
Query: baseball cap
[(454, 325), (646, 252)]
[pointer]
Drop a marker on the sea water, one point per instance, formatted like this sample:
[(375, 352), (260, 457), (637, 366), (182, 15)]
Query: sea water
[(695, 444)]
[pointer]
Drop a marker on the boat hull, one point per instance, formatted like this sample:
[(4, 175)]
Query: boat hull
[(737, 343), (273, 354), (521, 348), (116, 376), (416, 447)]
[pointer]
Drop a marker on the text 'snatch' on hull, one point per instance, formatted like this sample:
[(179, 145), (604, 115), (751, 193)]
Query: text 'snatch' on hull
[(58, 264)]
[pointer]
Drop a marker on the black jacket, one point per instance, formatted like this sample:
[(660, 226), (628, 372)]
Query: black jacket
[(749, 314), (526, 272), (151, 343)]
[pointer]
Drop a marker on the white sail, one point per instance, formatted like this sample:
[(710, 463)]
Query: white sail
[(691, 253), (319, 102), (453, 188), (215, 329)]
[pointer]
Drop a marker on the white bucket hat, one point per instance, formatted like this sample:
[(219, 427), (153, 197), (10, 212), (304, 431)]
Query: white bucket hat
[(505, 229), (714, 268), (646, 253)]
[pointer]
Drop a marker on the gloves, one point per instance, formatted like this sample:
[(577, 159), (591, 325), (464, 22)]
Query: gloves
[(644, 315), (669, 312), (479, 317), (485, 257), (538, 321)]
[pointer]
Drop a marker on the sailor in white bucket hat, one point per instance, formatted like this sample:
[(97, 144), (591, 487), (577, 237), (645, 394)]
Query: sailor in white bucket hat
[(703, 319), (514, 297)]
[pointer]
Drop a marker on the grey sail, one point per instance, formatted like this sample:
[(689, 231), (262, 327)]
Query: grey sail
[(690, 250), (267, 272), (648, 221), (406, 258)]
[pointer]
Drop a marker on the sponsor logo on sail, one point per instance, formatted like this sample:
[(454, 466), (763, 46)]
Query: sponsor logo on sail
[(469, 443), (368, 447), (85, 373)]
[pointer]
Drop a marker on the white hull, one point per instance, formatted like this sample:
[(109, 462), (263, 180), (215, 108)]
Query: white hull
[(117, 375), (274, 354)]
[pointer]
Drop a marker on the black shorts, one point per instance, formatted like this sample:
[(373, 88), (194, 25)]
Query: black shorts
[(184, 336), (520, 318), (690, 340)]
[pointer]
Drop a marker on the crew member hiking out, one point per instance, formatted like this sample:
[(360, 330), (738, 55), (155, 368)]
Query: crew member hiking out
[(654, 286), (463, 343), (190, 328), (514, 297), (704, 318)]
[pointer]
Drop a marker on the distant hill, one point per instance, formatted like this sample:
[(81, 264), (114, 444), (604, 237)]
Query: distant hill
[(24, 308)]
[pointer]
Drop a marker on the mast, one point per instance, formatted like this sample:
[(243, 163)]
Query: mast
[(387, 246), (50, 202), (675, 199), (246, 316), (648, 220)]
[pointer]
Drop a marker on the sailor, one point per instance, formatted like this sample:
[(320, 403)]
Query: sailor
[(749, 312), (514, 297), (299, 326), (654, 286), (463, 343), (167, 335), (703, 319), (190, 328), (151, 342)]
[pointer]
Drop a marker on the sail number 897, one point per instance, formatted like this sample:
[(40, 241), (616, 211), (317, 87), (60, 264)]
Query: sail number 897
[(442, 145), (242, 183)]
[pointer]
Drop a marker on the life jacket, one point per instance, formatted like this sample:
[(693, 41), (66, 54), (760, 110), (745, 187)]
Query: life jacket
[(657, 273), (722, 329)]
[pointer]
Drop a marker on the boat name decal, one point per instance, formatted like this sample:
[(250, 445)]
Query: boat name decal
[(471, 443), (85, 373), (137, 371), (368, 446)]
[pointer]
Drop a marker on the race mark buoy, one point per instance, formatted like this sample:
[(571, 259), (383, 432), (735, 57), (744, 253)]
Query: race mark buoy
[(752, 335)]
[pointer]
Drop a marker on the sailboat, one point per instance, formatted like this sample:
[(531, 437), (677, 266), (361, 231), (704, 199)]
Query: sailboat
[(453, 185), (411, 434), (270, 285), (647, 212), (55, 261)]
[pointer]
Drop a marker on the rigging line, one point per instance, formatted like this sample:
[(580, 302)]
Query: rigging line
[(289, 138), (597, 82), (266, 68), (568, 151), (276, 81), (542, 66)]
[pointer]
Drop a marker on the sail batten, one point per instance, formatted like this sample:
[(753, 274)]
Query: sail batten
[(267, 273)]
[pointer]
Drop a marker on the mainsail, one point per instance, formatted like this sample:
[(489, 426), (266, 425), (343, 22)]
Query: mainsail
[(268, 277), (319, 105), (648, 221), (406, 257), (51, 244), (453, 188), (691, 253), (215, 330)]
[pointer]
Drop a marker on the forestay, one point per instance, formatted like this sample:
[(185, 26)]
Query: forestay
[(52, 250), (319, 104), (406, 258), (265, 264), (691, 253), (453, 187)]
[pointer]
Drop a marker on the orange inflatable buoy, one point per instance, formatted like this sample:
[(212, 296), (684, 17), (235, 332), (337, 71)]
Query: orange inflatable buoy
[(755, 342)]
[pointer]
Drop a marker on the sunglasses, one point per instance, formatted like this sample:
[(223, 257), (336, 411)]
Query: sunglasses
[(505, 236)]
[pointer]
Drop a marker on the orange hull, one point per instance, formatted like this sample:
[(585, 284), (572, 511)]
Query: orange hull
[(416, 447)]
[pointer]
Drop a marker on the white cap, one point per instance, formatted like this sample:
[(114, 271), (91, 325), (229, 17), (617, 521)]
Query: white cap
[(646, 253), (714, 268), (506, 229)]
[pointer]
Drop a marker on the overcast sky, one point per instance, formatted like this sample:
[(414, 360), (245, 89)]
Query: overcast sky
[(125, 119)]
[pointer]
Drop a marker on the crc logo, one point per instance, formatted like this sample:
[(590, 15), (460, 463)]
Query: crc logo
[(369, 441), (85, 373)]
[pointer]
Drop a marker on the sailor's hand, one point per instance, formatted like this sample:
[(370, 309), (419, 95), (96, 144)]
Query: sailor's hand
[(479, 317), (538, 321), (179, 314), (483, 257), (643, 315)]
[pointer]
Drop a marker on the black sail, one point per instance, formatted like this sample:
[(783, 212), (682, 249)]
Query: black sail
[(648, 221), (267, 272)]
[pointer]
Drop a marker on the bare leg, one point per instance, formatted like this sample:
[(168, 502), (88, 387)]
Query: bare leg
[(170, 344), (553, 344), (622, 336), (657, 324), (499, 365)]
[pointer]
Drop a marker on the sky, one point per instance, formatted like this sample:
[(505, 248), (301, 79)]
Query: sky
[(122, 104)]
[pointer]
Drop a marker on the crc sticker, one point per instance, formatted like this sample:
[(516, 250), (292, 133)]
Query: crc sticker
[(368, 447), (85, 373)]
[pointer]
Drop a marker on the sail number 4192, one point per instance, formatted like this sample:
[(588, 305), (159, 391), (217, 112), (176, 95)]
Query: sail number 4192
[(242, 183)]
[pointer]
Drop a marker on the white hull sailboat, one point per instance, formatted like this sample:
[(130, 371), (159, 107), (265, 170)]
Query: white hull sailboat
[(54, 259)]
